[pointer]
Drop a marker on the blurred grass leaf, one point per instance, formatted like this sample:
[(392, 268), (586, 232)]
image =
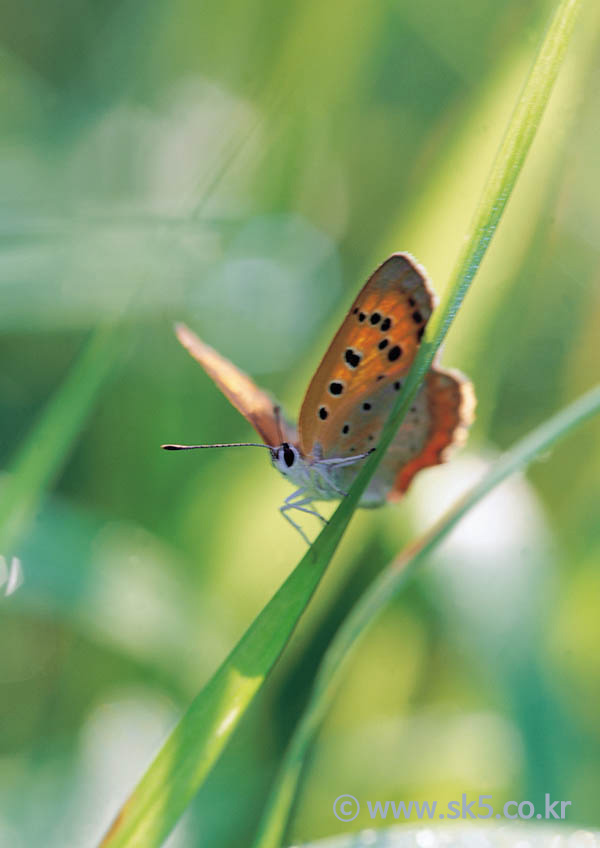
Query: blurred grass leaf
[(196, 743), (42, 453)]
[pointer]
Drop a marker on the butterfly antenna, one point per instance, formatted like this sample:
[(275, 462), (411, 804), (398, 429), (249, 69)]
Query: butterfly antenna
[(230, 445), (277, 414)]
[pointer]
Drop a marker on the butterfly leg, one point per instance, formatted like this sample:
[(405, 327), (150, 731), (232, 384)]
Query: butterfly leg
[(300, 501), (297, 494), (340, 462), (302, 506), (283, 509), (340, 492), (316, 512), (331, 482), (327, 466)]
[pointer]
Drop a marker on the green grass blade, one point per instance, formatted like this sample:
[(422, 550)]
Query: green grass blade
[(192, 749), (383, 590), (43, 452)]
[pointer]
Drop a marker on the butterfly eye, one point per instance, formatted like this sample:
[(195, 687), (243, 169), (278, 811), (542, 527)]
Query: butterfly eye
[(288, 456)]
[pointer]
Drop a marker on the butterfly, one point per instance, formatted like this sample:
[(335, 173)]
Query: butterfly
[(351, 395)]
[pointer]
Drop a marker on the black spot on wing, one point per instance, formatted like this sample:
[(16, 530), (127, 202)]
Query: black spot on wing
[(383, 344), (336, 388), (375, 318), (385, 325), (417, 317), (395, 353), (323, 413), (352, 358)]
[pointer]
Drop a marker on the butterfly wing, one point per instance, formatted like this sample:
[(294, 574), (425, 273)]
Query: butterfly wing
[(352, 392), (351, 395), (256, 405), (437, 421)]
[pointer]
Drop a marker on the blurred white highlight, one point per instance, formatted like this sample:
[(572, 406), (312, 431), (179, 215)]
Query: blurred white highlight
[(498, 562), (119, 739), (11, 575)]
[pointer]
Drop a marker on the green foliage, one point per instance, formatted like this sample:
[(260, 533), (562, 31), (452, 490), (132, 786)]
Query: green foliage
[(191, 750), (241, 167), (41, 455)]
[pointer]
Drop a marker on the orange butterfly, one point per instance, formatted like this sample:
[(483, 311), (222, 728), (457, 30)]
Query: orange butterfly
[(351, 395)]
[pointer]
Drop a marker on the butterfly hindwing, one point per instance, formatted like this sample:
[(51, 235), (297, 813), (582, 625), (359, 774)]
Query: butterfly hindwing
[(353, 390), (450, 408), (437, 421), (256, 405)]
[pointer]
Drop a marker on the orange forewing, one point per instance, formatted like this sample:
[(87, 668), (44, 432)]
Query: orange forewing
[(353, 390), (256, 405)]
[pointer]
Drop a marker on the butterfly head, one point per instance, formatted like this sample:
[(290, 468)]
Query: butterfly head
[(285, 457), (296, 468)]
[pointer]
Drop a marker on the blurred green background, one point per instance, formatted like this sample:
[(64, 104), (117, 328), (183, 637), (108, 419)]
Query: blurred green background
[(243, 166)]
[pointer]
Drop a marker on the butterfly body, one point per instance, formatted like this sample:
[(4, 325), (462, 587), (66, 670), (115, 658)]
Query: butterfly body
[(322, 479), (351, 395), (313, 478)]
